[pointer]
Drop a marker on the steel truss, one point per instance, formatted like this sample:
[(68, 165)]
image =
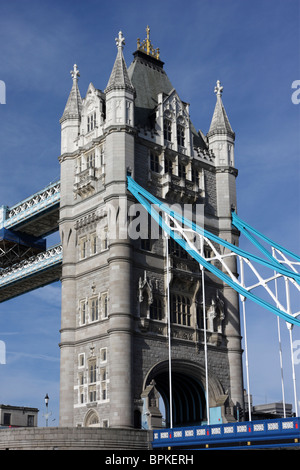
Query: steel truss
[(194, 238), (279, 263)]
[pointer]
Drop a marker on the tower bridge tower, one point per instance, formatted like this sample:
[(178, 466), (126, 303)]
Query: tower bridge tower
[(114, 329)]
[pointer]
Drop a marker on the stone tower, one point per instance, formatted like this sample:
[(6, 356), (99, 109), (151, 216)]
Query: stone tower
[(114, 331)]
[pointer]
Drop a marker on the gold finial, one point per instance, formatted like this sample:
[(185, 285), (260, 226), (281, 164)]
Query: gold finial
[(146, 45)]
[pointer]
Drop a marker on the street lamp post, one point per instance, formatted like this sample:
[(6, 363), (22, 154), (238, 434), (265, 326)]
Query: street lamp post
[(47, 414)]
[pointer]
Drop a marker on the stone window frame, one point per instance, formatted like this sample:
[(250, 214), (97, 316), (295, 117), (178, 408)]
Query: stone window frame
[(157, 308), (104, 239), (182, 170), (94, 309), (83, 312), (93, 243), (154, 162), (83, 247), (90, 159), (169, 166), (92, 370), (178, 314), (91, 121), (180, 134), (104, 305), (81, 360), (103, 355), (168, 128)]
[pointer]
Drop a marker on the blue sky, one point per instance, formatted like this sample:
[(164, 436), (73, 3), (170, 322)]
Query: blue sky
[(251, 46)]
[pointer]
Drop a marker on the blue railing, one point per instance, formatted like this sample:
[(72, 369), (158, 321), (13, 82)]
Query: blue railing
[(260, 434)]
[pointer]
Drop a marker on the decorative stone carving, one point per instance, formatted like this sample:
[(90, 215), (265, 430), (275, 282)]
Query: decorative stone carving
[(145, 297), (151, 411)]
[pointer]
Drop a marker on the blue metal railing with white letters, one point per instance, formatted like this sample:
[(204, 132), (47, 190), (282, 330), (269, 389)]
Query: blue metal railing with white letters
[(248, 434)]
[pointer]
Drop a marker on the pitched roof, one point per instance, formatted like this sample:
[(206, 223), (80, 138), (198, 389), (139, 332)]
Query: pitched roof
[(149, 79)]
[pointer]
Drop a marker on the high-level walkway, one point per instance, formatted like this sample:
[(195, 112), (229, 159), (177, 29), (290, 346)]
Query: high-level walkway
[(25, 261)]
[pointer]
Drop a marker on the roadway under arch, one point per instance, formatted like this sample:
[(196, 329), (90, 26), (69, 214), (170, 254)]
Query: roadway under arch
[(188, 394)]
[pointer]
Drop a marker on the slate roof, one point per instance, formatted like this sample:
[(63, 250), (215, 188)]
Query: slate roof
[(149, 78)]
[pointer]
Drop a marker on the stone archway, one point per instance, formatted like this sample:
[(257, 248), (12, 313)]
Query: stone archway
[(188, 394), (91, 419)]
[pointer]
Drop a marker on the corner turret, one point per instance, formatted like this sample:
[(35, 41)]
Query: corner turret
[(70, 120), (220, 135), (119, 91)]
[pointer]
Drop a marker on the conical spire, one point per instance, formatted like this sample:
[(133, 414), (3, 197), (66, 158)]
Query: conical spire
[(119, 78), (74, 103), (220, 123)]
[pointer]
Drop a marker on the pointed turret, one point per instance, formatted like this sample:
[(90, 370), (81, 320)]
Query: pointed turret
[(70, 120), (120, 95), (220, 123), (74, 103), (220, 135), (119, 79)]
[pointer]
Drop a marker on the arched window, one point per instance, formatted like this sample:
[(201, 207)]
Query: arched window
[(92, 419)]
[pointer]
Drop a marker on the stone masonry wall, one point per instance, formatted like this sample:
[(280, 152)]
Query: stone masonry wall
[(74, 439)]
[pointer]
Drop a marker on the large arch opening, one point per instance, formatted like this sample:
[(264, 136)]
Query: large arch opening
[(188, 394), (188, 398)]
